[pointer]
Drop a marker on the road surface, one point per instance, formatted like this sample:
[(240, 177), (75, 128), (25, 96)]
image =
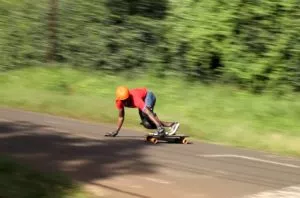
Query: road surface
[(126, 166)]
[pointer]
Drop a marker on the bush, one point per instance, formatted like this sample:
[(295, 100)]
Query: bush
[(254, 44)]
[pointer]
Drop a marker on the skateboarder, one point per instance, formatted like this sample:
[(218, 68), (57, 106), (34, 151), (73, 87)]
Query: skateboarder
[(144, 100)]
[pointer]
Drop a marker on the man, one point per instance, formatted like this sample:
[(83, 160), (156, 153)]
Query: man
[(144, 100)]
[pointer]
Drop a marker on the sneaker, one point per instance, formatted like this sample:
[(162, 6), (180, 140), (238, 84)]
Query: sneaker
[(174, 128), (160, 131)]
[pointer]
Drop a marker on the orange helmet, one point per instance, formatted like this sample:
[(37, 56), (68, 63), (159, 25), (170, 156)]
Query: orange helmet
[(122, 93)]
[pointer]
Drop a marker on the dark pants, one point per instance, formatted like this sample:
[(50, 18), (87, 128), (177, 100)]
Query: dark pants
[(150, 101)]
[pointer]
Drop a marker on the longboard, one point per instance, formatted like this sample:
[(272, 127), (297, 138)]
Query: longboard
[(178, 138)]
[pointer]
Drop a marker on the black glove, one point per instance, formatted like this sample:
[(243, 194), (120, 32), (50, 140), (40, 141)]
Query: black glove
[(111, 134)]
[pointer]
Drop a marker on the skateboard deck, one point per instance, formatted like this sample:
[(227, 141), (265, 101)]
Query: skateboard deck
[(178, 138)]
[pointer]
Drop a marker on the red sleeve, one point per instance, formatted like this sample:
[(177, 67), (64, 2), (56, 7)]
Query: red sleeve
[(140, 104), (119, 104)]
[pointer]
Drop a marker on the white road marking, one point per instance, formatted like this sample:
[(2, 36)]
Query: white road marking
[(288, 192), (221, 172), (156, 180), (4, 120), (249, 158), (136, 186)]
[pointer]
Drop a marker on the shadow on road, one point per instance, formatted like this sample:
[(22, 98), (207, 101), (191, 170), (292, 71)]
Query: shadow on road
[(86, 160)]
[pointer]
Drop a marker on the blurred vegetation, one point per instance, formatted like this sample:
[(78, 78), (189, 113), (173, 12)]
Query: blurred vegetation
[(218, 113), (250, 43), (20, 181), (237, 44)]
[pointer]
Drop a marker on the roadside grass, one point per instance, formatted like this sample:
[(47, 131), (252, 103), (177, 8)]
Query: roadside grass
[(215, 113), (19, 181)]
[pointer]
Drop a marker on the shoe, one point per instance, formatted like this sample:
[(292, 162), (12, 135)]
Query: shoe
[(174, 128), (160, 132)]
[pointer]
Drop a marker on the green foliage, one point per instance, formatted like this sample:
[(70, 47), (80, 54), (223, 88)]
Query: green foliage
[(251, 43), (111, 35), (22, 32), (254, 44)]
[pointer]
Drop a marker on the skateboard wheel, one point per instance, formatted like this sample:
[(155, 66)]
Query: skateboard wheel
[(154, 140), (184, 141)]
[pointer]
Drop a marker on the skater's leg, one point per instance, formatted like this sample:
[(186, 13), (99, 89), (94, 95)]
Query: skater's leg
[(164, 123), (146, 121), (150, 102)]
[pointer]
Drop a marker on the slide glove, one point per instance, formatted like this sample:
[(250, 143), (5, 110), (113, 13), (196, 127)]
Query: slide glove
[(111, 134)]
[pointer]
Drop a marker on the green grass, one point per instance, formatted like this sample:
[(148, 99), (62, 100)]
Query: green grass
[(217, 113), (19, 181)]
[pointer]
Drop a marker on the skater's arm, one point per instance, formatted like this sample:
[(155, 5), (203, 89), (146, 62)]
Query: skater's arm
[(152, 117), (120, 119), (120, 123)]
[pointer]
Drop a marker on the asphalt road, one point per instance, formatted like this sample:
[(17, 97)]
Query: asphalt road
[(126, 166)]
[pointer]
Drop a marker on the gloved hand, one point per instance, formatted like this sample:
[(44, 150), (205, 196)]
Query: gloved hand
[(111, 134)]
